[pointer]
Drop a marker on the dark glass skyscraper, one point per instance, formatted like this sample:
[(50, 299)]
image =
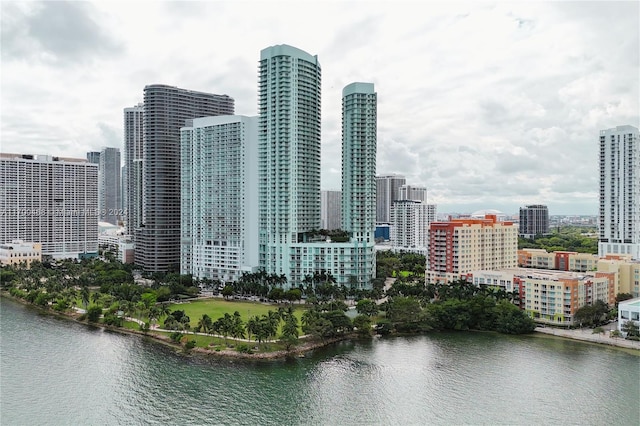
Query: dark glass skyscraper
[(166, 110)]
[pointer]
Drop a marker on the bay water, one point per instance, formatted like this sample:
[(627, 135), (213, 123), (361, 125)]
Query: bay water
[(57, 372)]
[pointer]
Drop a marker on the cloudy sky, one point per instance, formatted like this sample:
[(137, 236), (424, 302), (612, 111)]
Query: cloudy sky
[(488, 105)]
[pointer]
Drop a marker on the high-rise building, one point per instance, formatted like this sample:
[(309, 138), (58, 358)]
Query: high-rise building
[(359, 145), (387, 191), (464, 245), (330, 209), (166, 111), (219, 188), (410, 220), (52, 201), (93, 157), (413, 193), (289, 152), (619, 213), (132, 194), (534, 220), (109, 186)]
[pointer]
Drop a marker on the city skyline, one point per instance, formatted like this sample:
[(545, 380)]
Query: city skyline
[(473, 103)]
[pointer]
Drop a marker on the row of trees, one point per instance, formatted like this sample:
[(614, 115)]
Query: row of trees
[(456, 306), (565, 238)]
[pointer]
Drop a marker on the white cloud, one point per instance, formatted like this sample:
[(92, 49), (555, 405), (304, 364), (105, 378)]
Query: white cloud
[(490, 105)]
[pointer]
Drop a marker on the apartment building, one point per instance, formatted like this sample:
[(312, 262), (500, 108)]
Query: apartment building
[(460, 246)]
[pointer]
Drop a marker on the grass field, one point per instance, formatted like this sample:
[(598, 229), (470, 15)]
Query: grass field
[(216, 308)]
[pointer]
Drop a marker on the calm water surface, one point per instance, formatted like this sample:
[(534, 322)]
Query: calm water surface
[(61, 373)]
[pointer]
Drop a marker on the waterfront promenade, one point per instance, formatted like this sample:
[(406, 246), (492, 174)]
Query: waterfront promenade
[(587, 335)]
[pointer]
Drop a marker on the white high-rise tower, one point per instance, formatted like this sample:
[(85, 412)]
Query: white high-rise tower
[(619, 216)]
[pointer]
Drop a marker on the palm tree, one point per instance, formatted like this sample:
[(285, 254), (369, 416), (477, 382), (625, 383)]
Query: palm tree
[(205, 323), (85, 296), (95, 297)]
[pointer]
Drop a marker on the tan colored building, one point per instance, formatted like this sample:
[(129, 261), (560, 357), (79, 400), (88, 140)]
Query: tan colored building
[(553, 297), (17, 252), (625, 271), (558, 260), (460, 246)]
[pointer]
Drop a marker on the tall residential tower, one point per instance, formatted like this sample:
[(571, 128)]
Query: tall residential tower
[(219, 229), (166, 110), (133, 136), (619, 213), (289, 152), (387, 191), (359, 145), (109, 186), (534, 220), (52, 201)]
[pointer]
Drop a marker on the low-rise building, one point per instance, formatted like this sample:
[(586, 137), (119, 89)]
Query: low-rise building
[(19, 252), (549, 296), (629, 310), (557, 260)]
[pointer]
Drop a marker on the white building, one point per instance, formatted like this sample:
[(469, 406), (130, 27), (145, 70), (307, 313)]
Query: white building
[(414, 193), (387, 191), (619, 217), (50, 200), (410, 222), (132, 195), (219, 189), (629, 310)]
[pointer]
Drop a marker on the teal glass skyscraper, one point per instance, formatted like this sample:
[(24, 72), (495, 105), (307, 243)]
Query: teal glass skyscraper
[(289, 152), (359, 144)]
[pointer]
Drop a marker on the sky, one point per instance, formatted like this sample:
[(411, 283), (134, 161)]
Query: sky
[(490, 105)]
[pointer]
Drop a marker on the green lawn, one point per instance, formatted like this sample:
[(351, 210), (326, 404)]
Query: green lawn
[(216, 308)]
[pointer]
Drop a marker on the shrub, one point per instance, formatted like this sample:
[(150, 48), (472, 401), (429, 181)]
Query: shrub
[(244, 348), (176, 336), (189, 345), (93, 313)]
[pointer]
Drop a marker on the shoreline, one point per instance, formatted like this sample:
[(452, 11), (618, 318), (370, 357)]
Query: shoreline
[(229, 353), (305, 347), (586, 335)]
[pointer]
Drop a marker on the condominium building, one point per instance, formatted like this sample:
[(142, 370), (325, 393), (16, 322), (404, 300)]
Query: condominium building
[(166, 111), (109, 186), (555, 296), (330, 209), (463, 245), (219, 189), (551, 297), (534, 220), (93, 157), (619, 212), (52, 201), (414, 193), (410, 221), (133, 139), (626, 273), (387, 191), (558, 260), (289, 152), (18, 252), (359, 145)]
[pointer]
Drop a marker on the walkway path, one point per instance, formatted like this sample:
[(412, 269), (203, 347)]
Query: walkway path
[(587, 335), (156, 328)]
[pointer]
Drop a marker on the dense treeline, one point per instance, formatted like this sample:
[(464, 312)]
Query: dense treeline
[(456, 306), (564, 238)]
